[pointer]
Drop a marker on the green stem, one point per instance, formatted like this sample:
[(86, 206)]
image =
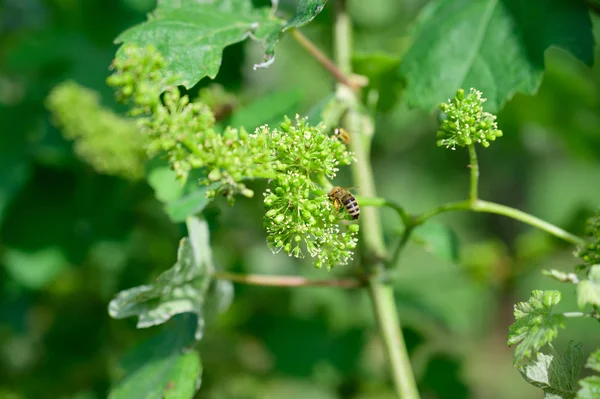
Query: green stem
[(286, 281), (407, 220), (382, 295), (474, 165), (491, 207), (386, 314)]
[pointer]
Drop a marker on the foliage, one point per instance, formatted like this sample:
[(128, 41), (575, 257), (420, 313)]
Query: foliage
[(165, 366), (496, 46), (192, 35), (555, 374), (590, 386), (181, 289), (73, 236), (535, 323)]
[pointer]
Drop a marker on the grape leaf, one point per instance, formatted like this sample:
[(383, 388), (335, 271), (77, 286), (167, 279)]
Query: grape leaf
[(191, 35), (181, 201), (181, 289), (535, 325), (590, 386), (495, 46), (164, 366), (588, 291), (555, 374), (306, 11)]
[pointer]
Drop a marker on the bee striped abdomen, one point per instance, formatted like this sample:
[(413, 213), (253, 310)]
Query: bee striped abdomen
[(342, 197), (351, 206)]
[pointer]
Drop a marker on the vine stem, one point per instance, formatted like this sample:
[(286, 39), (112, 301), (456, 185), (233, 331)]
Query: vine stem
[(492, 207), (286, 281), (474, 183), (381, 294), (324, 60)]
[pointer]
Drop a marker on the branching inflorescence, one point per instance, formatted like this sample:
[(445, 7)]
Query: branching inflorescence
[(466, 122), (589, 253), (293, 157)]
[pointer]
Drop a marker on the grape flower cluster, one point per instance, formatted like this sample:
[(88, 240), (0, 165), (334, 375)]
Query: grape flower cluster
[(465, 122), (589, 253), (295, 158)]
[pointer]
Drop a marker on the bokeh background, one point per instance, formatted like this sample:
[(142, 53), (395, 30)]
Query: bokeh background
[(70, 238)]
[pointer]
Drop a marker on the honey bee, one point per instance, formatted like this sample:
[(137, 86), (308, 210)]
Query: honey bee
[(342, 134), (342, 197)]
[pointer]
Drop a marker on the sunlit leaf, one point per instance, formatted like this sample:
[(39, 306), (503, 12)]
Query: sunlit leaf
[(590, 386), (192, 35), (163, 367), (188, 205), (306, 11), (588, 291), (495, 46), (555, 374), (180, 289), (181, 201), (535, 324)]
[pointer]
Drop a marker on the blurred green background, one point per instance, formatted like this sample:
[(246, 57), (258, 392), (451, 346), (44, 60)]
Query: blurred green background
[(71, 238)]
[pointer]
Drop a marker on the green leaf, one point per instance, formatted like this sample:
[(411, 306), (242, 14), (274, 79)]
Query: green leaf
[(163, 367), (437, 239), (34, 270), (164, 182), (588, 291), (181, 289), (590, 386), (555, 374), (593, 361), (306, 11), (188, 205), (495, 46), (180, 201), (191, 35), (535, 325)]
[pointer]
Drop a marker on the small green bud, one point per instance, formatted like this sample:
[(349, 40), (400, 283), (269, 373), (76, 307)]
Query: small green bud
[(353, 228), (306, 215), (286, 125), (271, 213), (214, 175), (297, 238), (279, 219)]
